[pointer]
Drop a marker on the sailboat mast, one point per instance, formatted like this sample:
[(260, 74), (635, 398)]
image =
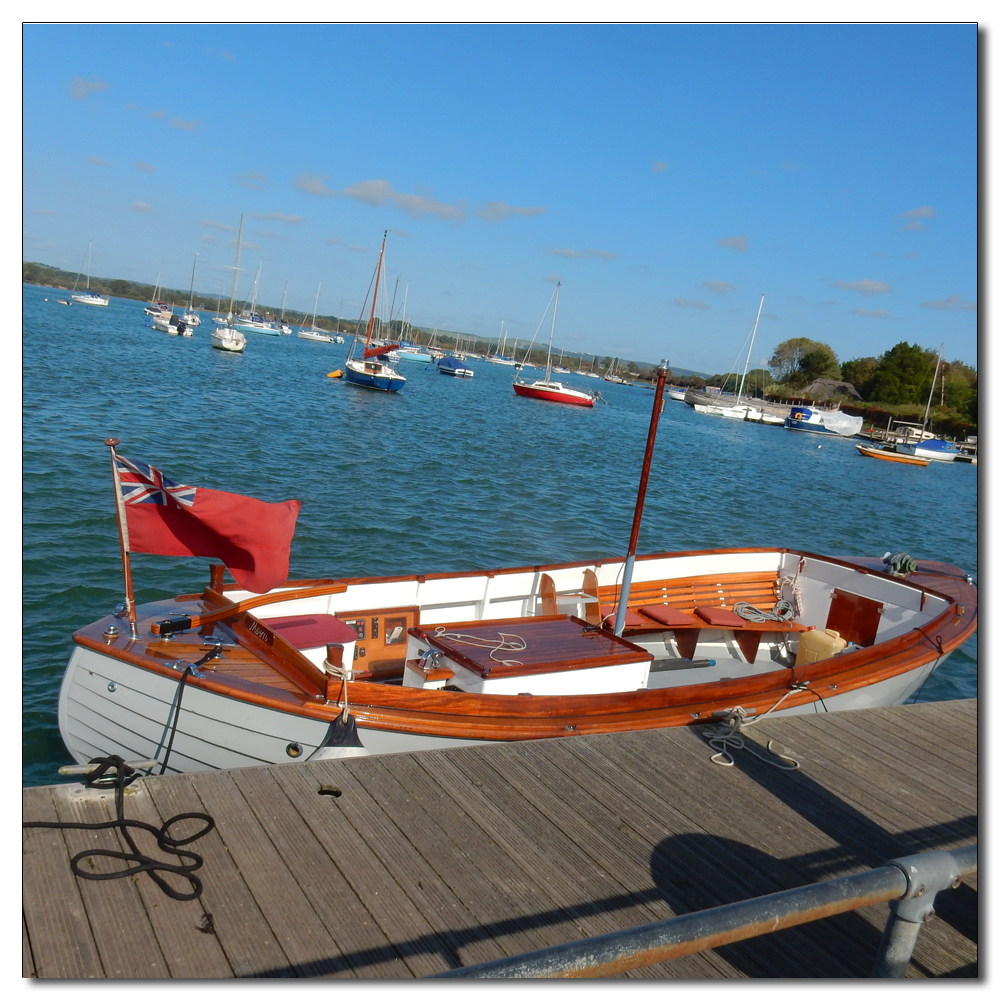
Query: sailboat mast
[(316, 306), (750, 351), (283, 291), (378, 275), (552, 333), (89, 247), (633, 544), (191, 292), (236, 269), (930, 395)]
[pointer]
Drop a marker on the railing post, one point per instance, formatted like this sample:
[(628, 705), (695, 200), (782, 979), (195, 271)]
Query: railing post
[(926, 875)]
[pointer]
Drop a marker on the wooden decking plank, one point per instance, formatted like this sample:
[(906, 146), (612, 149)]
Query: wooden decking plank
[(304, 942), (189, 952), (235, 918), (55, 918), (603, 849), (124, 935), (450, 918), (473, 864), (948, 741), (335, 822), (363, 949), (27, 959), (570, 908), (596, 900), (714, 854)]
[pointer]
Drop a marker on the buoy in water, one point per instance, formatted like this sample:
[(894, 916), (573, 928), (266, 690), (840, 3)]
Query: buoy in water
[(335, 374), (819, 446)]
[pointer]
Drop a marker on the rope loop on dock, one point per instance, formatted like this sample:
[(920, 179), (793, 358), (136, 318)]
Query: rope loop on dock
[(112, 771), (725, 737)]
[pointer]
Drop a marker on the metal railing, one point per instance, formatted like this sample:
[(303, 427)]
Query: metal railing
[(909, 884)]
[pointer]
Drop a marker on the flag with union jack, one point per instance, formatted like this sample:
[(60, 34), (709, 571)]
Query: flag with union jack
[(141, 483), (253, 538)]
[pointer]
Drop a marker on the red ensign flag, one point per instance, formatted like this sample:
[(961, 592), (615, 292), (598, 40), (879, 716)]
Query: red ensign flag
[(251, 537)]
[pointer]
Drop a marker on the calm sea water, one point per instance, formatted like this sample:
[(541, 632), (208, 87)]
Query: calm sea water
[(446, 475)]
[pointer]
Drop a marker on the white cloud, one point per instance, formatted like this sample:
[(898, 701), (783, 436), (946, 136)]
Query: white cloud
[(97, 161), (146, 168), (498, 211), (866, 286), (659, 166), (552, 278), (952, 302), (311, 184), (80, 89), (187, 126), (690, 303), (873, 313), (924, 212), (332, 241), (221, 226), (582, 254), (741, 243), (293, 220), (141, 206), (719, 287), (378, 192), (252, 179)]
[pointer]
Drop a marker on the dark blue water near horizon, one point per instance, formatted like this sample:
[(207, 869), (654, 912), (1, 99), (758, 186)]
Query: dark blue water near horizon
[(448, 474)]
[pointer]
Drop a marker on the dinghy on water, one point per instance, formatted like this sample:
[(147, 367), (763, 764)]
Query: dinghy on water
[(269, 670)]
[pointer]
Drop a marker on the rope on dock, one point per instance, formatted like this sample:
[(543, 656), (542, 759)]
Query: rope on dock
[(112, 771)]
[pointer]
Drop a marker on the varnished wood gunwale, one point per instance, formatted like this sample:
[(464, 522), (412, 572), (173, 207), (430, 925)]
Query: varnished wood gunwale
[(514, 717)]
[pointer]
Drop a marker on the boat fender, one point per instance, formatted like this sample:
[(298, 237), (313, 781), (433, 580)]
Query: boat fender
[(343, 734), (335, 374)]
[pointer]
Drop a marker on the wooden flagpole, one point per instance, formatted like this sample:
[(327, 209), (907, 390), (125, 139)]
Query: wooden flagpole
[(123, 540)]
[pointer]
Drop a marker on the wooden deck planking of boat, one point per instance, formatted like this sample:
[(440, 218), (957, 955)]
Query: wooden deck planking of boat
[(405, 865)]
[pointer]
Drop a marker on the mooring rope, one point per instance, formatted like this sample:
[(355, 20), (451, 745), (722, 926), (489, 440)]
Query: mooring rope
[(112, 771)]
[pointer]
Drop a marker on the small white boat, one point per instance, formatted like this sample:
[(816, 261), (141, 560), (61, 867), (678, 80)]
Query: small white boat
[(805, 418), (169, 322), (88, 298), (738, 411), (454, 366), (225, 338), (190, 317), (312, 332), (676, 394)]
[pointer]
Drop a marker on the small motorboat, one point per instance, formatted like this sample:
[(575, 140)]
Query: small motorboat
[(890, 456), (454, 367)]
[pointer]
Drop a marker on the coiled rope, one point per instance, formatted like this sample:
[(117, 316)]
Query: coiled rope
[(506, 641), (112, 771), (782, 612)]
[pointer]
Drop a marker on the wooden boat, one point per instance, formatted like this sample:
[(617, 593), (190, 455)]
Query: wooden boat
[(368, 371), (890, 456), (328, 668), (544, 388)]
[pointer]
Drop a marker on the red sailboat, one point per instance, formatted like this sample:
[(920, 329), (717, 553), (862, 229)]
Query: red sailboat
[(553, 392)]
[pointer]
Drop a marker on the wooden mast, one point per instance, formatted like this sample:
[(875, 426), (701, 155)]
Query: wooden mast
[(378, 276), (661, 378)]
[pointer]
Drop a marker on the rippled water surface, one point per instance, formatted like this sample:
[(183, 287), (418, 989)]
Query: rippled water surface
[(448, 474)]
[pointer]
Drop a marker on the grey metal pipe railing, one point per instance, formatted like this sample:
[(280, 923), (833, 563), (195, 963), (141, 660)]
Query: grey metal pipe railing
[(910, 883)]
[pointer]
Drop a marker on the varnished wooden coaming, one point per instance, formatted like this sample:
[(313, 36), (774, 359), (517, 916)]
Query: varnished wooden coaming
[(283, 679)]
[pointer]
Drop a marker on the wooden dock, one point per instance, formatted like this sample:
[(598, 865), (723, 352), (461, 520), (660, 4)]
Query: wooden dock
[(408, 865)]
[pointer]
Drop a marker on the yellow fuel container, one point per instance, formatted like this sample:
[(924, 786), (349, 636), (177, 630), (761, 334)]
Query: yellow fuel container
[(818, 644)]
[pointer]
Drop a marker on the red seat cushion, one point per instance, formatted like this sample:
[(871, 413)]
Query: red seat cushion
[(631, 618), (309, 631), (721, 617), (666, 615)]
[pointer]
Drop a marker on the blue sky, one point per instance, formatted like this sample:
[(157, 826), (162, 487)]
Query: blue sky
[(669, 175)]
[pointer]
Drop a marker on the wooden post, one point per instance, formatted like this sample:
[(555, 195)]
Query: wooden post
[(123, 540)]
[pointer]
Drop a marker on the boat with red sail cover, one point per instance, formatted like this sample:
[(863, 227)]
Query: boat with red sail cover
[(266, 670)]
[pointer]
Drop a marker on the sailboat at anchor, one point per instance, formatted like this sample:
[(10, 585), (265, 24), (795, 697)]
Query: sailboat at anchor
[(368, 371), (740, 409), (88, 298), (545, 388)]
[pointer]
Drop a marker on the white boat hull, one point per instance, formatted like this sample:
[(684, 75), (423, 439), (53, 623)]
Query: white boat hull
[(226, 339)]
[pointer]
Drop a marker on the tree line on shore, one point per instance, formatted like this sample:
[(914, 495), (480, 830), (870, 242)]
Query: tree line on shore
[(896, 383)]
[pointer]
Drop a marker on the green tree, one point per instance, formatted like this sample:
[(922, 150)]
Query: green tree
[(787, 357), (903, 375), (860, 372)]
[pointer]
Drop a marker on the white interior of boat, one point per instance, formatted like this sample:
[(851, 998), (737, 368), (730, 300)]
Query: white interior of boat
[(650, 658)]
